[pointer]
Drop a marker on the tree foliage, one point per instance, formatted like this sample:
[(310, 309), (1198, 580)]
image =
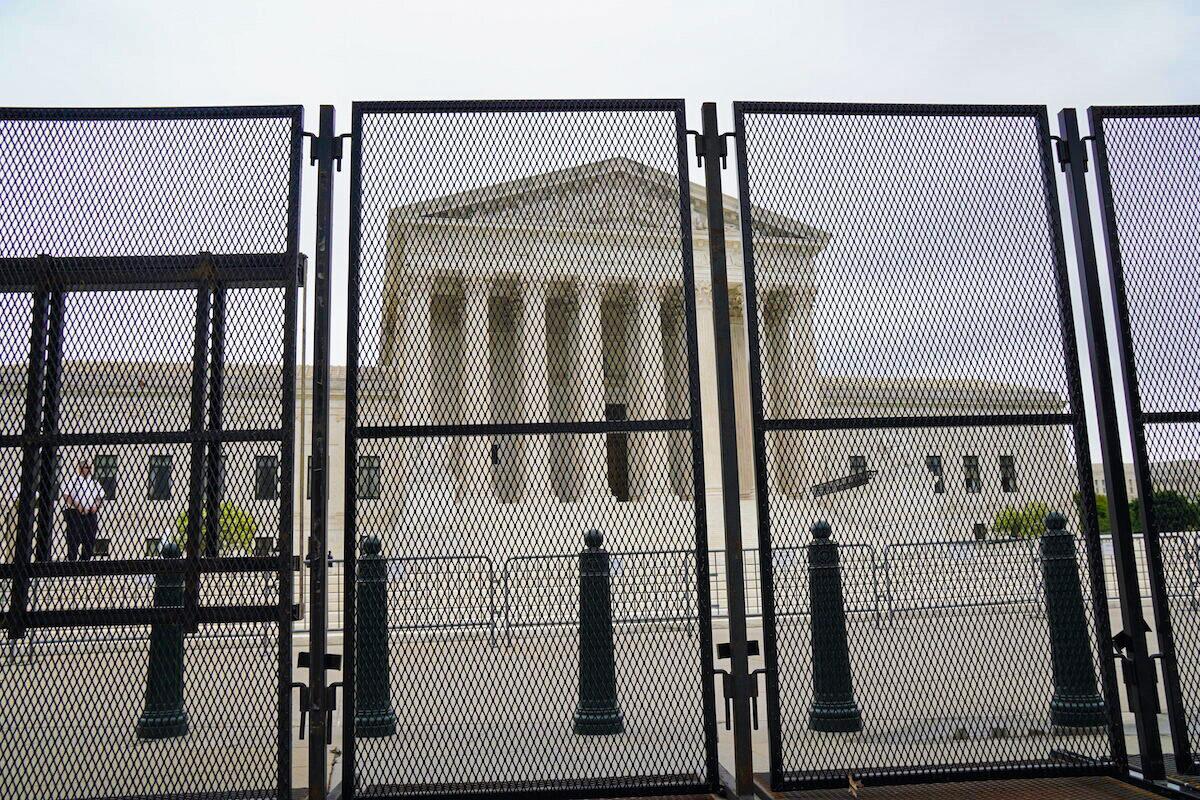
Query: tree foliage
[(235, 528), (1172, 512), (1025, 521)]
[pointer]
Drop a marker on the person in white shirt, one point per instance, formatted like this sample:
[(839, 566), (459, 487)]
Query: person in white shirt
[(82, 497)]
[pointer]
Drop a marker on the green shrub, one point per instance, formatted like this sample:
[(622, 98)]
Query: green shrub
[(1172, 512), (236, 529), (1027, 521), (1101, 511)]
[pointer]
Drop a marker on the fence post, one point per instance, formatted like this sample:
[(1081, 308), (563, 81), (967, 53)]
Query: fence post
[(833, 707), (373, 714), (1139, 670), (597, 713), (164, 716), (711, 148), (1076, 702)]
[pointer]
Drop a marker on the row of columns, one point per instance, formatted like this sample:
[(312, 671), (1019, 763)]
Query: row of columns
[(467, 390)]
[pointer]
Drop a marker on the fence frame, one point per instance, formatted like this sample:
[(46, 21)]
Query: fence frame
[(779, 777), (1136, 420), (692, 425), (50, 278)]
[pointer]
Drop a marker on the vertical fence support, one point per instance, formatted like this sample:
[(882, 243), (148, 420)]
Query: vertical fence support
[(196, 459), (323, 153), (1139, 671), (30, 455), (711, 147), (216, 418), (43, 540)]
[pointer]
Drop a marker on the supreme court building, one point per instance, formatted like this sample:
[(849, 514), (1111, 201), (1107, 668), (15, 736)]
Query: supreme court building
[(568, 333)]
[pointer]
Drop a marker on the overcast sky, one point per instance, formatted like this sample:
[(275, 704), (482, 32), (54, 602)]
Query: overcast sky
[(224, 53)]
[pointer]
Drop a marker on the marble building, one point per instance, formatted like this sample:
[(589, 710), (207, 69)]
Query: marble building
[(568, 331)]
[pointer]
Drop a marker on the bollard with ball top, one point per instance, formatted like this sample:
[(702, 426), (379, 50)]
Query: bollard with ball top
[(164, 715), (373, 714), (597, 713), (1076, 702), (833, 709)]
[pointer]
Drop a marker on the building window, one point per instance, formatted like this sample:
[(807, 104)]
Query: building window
[(934, 464), (368, 479), (160, 477), (858, 465), (106, 474), (1008, 474), (266, 477), (971, 474)]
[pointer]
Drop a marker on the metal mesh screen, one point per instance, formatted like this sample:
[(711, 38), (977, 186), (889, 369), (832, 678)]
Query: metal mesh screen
[(1149, 178), (148, 273), (522, 369), (915, 386)]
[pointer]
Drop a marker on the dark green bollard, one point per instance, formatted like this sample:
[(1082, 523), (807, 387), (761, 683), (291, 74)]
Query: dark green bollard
[(833, 708), (597, 713), (164, 716), (1076, 703), (373, 714)]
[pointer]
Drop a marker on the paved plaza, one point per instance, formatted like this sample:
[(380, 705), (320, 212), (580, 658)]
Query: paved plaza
[(965, 687)]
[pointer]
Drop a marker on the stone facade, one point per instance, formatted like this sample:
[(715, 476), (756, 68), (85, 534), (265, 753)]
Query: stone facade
[(565, 331)]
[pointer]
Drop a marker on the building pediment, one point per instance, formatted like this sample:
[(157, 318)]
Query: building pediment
[(617, 193)]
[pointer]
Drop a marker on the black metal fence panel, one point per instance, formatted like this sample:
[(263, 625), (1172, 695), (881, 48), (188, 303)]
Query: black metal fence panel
[(915, 385), (1148, 175), (148, 274), (522, 369)]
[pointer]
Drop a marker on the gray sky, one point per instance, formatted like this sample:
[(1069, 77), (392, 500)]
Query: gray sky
[(224, 53)]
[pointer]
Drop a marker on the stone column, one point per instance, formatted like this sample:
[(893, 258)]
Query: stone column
[(802, 390), (589, 369), (648, 464), (535, 391), (475, 389), (420, 464)]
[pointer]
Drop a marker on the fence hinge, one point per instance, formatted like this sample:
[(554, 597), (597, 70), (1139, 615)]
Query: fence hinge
[(1063, 149), (720, 147), (317, 144)]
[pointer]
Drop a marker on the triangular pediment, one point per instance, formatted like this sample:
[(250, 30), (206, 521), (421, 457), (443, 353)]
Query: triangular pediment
[(617, 193)]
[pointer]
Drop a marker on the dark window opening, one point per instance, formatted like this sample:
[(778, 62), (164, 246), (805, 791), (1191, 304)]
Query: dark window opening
[(971, 474), (1008, 474), (266, 477), (934, 464), (368, 480), (106, 474), (160, 477)]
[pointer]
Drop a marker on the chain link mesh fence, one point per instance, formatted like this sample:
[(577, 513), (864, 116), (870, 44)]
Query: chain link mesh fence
[(915, 385), (522, 370), (148, 273)]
